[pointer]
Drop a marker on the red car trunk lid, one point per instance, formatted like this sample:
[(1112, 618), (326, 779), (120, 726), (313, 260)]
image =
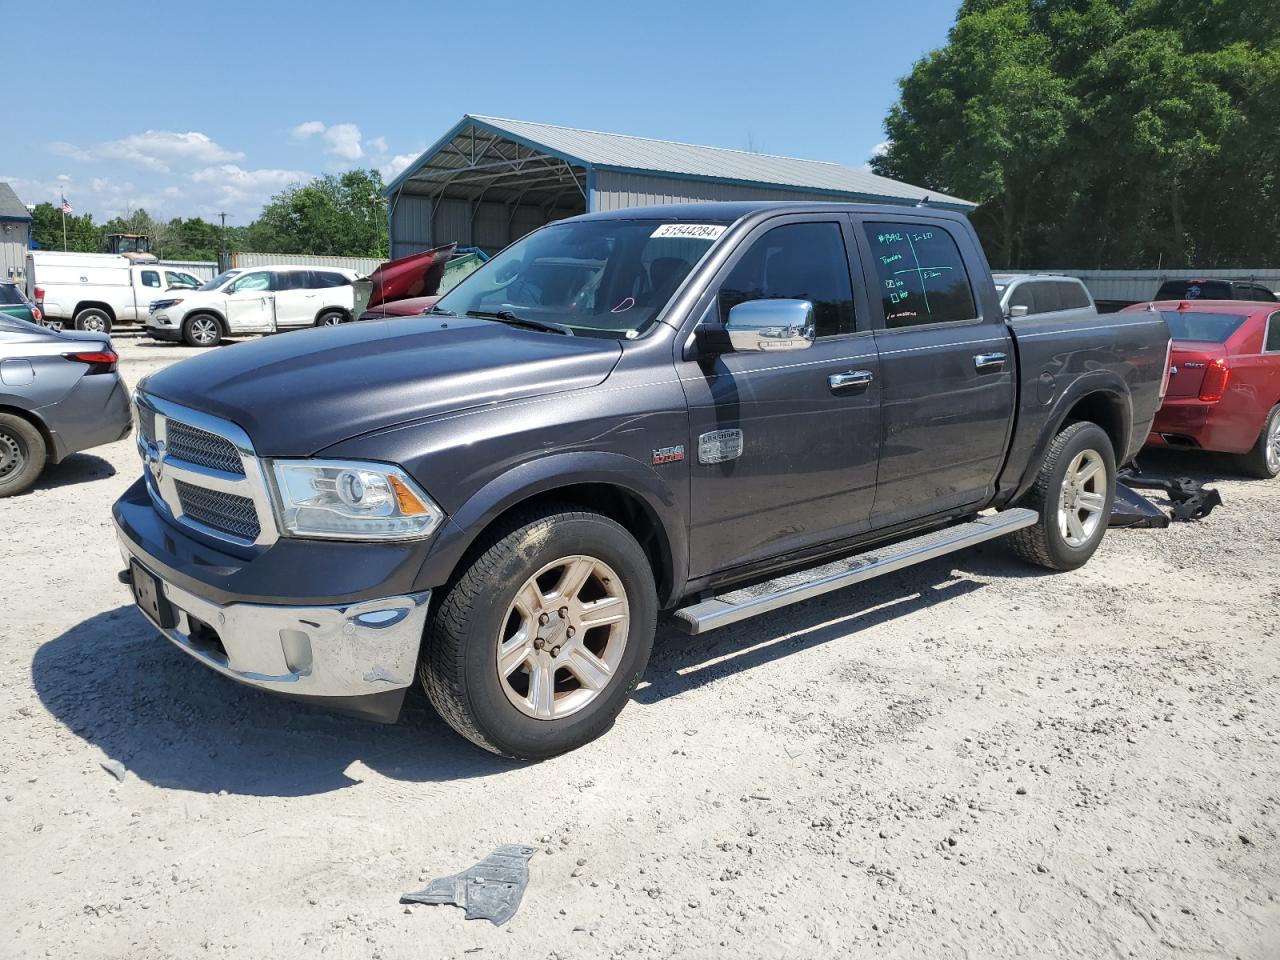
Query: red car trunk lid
[(1191, 360)]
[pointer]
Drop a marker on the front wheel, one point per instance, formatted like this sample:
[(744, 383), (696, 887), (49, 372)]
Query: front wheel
[(202, 330), (1073, 494), (1263, 461), (537, 646), (331, 318)]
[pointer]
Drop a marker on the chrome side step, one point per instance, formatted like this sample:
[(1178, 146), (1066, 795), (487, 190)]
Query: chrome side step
[(745, 602)]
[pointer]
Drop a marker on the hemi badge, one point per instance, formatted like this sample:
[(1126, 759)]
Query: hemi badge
[(669, 454)]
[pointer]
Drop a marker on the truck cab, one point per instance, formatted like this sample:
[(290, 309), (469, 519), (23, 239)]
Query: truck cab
[(714, 410)]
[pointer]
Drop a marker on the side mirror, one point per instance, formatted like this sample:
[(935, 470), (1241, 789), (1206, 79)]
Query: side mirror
[(1018, 311), (771, 326)]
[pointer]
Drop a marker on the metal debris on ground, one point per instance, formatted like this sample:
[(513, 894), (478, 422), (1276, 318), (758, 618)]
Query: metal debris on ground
[(115, 768), (1188, 500), (489, 890)]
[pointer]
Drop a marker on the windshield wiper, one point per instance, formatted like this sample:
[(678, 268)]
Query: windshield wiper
[(440, 311), (506, 316)]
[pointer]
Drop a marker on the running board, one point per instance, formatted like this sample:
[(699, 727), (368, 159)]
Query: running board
[(746, 602)]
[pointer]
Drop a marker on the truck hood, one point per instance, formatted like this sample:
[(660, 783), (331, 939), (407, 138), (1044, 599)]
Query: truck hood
[(297, 393)]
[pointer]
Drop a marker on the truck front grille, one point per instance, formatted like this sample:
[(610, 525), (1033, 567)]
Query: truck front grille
[(204, 449), (202, 473), (226, 512)]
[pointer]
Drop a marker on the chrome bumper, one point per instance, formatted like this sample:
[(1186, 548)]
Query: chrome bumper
[(345, 650)]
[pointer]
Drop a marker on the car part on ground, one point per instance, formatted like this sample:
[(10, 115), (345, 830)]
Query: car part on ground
[(1188, 498), (1132, 510), (489, 890)]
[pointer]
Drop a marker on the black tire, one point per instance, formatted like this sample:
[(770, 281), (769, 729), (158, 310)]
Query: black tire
[(202, 330), (1263, 461), (95, 319), (22, 454), (459, 668), (1045, 543), (331, 318)]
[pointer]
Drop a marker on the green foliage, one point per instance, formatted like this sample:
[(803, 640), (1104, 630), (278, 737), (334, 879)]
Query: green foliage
[(334, 215), (46, 229), (1098, 133)]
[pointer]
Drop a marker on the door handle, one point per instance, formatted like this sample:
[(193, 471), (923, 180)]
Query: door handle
[(989, 362), (851, 382)]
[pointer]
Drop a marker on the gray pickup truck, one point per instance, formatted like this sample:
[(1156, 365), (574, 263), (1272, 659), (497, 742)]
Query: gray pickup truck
[(709, 409)]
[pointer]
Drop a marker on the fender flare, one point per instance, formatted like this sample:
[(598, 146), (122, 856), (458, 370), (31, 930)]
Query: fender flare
[(1103, 382), (560, 470)]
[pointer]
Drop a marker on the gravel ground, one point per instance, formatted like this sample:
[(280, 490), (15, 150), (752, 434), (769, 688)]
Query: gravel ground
[(967, 759)]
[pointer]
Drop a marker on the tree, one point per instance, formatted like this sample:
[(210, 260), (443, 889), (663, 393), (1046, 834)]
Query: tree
[(46, 229), (1102, 132), (334, 215)]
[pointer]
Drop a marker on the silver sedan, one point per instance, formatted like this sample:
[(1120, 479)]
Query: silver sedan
[(59, 393)]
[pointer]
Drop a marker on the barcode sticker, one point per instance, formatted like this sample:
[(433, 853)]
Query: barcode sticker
[(690, 231)]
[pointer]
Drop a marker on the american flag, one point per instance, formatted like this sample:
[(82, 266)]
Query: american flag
[(66, 205)]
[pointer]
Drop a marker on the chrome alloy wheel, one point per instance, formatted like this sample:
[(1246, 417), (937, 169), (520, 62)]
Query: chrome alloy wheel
[(563, 637), (13, 454), (204, 330), (1084, 494), (1273, 445)]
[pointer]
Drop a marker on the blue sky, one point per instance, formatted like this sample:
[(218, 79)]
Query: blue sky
[(188, 111)]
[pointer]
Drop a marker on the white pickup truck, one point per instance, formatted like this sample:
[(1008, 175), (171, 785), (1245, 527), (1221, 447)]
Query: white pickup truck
[(95, 291)]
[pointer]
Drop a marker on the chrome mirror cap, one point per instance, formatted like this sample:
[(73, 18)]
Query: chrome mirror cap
[(771, 326), (1018, 311)]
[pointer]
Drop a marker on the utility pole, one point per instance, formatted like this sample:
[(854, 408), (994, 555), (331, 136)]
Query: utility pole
[(224, 258)]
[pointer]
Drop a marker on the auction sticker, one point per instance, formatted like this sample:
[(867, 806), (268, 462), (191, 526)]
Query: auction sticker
[(690, 231)]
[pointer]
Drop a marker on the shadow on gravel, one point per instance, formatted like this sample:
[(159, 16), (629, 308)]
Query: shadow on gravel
[(77, 468), (1166, 464), (115, 682), (681, 663)]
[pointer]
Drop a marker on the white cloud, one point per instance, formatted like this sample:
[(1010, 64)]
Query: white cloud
[(157, 150), (880, 149), (340, 139), (378, 143), (395, 166), (309, 129)]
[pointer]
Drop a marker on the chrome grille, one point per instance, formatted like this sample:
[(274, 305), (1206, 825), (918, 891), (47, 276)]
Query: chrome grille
[(225, 512), (202, 473), (204, 449)]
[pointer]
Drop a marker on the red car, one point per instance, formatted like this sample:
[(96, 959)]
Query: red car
[(1224, 390)]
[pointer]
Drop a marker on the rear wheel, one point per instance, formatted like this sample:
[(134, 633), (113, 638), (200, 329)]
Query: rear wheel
[(202, 330), (1263, 461), (94, 319), (1073, 494), (537, 646), (22, 454)]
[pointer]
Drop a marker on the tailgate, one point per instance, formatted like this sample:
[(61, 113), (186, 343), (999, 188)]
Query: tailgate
[(1190, 360)]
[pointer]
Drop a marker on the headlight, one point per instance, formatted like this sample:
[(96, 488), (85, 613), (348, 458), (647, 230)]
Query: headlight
[(164, 304), (350, 500)]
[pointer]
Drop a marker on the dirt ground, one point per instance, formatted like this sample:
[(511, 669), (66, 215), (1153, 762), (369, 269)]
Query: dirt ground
[(967, 759)]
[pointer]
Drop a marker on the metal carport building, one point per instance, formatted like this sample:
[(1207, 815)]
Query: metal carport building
[(15, 234), (490, 181)]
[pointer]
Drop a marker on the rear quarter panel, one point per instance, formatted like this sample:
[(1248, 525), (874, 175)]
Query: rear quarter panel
[(1061, 361)]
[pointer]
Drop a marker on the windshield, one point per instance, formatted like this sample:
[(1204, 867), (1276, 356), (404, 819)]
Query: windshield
[(219, 280), (603, 278), (11, 296), (1202, 327)]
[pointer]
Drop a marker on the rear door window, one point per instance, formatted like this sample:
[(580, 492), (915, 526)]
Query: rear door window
[(921, 274), (151, 278), (1073, 295), (1273, 334), (798, 261)]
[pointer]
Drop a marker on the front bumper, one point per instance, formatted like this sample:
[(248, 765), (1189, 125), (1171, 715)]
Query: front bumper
[(358, 657), (153, 329)]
